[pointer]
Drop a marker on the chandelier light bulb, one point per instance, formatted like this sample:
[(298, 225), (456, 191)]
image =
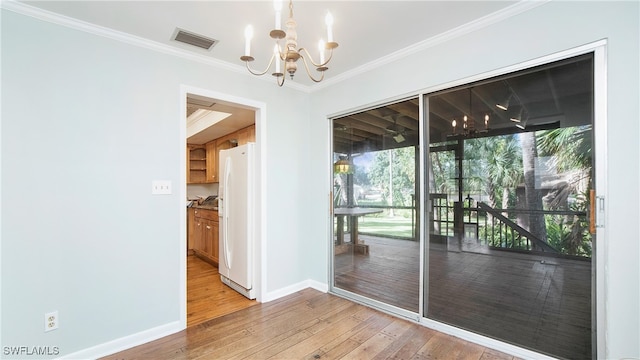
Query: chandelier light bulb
[(276, 54), (321, 47), (277, 6), (486, 120), (329, 21), (248, 35)]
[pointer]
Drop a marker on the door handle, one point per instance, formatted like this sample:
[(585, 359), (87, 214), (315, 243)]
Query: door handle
[(592, 211), (596, 212)]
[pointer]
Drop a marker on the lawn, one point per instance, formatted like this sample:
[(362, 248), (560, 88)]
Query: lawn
[(384, 225)]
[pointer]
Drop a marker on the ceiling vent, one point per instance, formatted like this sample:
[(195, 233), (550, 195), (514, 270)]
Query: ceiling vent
[(194, 39)]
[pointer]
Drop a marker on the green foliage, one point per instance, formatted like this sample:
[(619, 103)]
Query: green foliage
[(570, 147), (494, 167), (569, 234), (394, 170)]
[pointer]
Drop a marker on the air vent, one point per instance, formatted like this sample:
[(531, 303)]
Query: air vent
[(194, 39)]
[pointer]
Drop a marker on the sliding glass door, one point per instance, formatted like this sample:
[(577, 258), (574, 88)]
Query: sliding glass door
[(376, 242), (507, 228), (510, 173)]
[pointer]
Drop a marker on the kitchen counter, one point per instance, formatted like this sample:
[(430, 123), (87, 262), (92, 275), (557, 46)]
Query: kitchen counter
[(206, 207)]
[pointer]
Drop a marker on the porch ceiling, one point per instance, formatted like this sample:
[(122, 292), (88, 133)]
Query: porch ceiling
[(549, 96)]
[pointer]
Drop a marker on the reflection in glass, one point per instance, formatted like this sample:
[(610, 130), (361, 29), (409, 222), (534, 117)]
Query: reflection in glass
[(509, 252), (376, 242)]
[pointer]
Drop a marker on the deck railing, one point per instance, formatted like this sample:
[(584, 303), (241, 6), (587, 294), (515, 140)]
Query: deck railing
[(495, 228), (506, 234)]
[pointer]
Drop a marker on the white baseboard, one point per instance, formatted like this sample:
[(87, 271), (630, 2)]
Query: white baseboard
[(126, 342), (273, 295), (146, 336)]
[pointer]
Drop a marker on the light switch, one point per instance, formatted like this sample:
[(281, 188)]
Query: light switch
[(161, 187)]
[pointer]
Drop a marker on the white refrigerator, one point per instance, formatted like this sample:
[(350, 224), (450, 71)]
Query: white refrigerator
[(235, 210)]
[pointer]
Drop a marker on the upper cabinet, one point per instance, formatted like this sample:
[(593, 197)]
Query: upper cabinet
[(246, 135), (202, 160), (212, 162), (196, 164)]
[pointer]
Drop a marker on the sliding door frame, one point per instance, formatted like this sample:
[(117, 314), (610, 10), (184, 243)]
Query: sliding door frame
[(600, 144), (598, 49)]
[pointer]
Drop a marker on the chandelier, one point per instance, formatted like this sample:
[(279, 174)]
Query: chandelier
[(290, 54)]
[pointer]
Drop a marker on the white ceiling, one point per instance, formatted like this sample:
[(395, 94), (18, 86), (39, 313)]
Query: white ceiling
[(366, 31)]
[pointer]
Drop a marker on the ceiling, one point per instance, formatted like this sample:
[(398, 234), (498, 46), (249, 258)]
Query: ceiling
[(209, 119), (392, 26), (389, 25)]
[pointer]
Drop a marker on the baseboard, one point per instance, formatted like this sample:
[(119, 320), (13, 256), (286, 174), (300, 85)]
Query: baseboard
[(146, 336), (126, 342), (273, 295), (322, 287)]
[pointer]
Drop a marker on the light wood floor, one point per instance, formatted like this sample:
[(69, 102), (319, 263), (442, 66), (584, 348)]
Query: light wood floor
[(309, 325), (207, 296)]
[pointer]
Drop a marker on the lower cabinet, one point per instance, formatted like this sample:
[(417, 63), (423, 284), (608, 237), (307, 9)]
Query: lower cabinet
[(206, 235)]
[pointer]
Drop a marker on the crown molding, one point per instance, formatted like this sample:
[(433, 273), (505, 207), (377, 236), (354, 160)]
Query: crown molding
[(66, 21), (44, 15), (498, 16)]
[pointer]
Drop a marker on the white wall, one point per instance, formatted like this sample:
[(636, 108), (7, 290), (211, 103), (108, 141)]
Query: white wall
[(550, 28), (87, 123)]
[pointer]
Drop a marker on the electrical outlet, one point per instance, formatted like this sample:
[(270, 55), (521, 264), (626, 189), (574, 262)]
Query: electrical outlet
[(161, 187), (50, 321)]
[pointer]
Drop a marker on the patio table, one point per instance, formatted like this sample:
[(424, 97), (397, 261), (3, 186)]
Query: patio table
[(353, 212)]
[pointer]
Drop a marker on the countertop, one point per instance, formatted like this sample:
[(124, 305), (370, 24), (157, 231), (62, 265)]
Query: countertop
[(205, 207)]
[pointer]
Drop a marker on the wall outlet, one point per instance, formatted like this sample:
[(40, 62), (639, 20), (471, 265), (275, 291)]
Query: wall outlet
[(50, 321), (161, 187)]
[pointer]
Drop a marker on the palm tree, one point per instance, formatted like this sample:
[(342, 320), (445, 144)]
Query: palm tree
[(533, 196)]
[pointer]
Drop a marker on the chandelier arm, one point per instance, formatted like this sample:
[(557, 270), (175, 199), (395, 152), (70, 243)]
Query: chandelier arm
[(311, 58), (265, 70), (280, 83), (306, 66)]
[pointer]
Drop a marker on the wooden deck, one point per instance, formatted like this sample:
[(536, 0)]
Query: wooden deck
[(536, 302), (309, 325)]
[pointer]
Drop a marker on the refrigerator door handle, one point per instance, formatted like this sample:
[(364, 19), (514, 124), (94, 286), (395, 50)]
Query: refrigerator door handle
[(225, 215)]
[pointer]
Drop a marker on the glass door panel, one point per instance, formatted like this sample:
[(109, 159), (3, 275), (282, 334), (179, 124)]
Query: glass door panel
[(509, 177), (376, 252)]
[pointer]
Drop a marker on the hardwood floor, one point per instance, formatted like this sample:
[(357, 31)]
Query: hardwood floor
[(309, 325), (207, 296), (537, 302)]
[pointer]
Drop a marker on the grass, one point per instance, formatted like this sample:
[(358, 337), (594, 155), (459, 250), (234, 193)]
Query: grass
[(399, 226)]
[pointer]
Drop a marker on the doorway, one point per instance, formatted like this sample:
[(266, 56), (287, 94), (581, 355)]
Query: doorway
[(213, 122)]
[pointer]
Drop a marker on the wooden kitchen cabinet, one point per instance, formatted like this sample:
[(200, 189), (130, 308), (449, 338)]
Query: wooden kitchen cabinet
[(203, 160), (210, 241), (251, 133), (196, 164), (246, 135), (202, 163), (206, 235), (212, 162), (191, 228)]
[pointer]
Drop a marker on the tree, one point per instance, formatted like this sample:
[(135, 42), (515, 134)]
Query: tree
[(501, 167), (533, 196), (402, 174)]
